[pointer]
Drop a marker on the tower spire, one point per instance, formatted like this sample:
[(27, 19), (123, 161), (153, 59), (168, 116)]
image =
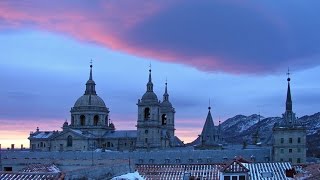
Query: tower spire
[(90, 77), (150, 84), (288, 100), (166, 95), (90, 85)]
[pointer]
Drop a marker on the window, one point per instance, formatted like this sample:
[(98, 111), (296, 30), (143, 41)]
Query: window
[(282, 151), (146, 113), (108, 144), (7, 169), (282, 140), (290, 140), (299, 140), (96, 120), (290, 150), (72, 120), (146, 131), (164, 119), (234, 177), (290, 160), (146, 140), (82, 120), (227, 178), (242, 177), (281, 160), (69, 141), (298, 160)]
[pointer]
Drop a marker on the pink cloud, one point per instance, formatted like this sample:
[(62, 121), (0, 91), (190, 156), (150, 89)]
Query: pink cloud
[(256, 39)]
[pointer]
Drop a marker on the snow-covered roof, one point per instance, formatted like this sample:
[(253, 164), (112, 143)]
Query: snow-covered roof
[(172, 171), (129, 176), (30, 175), (270, 170), (41, 168), (42, 134)]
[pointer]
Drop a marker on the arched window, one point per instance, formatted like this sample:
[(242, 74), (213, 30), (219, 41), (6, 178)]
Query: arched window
[(72, 120), (69, 141), (82, 120), (164, 119), (106, 120), (95, 120), (146, 113)]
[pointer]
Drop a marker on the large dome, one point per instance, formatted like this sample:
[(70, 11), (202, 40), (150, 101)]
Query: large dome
[(149, 96), (90, 100)]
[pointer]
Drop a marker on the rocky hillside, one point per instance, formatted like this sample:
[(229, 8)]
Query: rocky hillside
[(241, 128)]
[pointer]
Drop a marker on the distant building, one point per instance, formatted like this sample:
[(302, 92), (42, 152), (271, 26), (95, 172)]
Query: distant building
[(289, 136), (90, 127)]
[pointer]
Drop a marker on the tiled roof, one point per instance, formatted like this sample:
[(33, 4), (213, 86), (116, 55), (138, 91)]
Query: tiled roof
[(275, 170), (41, 168), (209, 171), (235, 167), (33, 176)]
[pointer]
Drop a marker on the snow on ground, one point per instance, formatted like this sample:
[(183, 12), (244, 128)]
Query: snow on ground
[(129, 176)]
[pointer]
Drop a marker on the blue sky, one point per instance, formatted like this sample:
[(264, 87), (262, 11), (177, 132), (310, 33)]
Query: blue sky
[(236, 54)]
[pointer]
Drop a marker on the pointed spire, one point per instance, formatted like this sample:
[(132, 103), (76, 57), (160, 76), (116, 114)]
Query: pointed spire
[(208, 131), (150, 84), (166, 95), (288, 100), (90, 85), (90, 78)]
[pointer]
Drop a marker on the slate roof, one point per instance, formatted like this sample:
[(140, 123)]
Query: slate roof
[(41, 134), (121, 134)]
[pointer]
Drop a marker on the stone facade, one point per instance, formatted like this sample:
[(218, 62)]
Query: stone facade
[(289, 136), (155, 120), (91, 129)]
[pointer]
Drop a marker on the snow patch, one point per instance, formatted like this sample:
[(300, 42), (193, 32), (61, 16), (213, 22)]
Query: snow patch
[(129, 176)]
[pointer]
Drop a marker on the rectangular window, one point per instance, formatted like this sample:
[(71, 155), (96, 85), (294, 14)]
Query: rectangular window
[(282, 151), (7, 169), (299, 140), (242, 177), (290, 140), (290, 160), (234, 177), (227, 178), (146, 140), (282, 140), (281, 160), (298, 160), (290, 150)]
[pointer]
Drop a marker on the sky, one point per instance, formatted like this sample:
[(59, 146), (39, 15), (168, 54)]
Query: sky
[(235, 53)]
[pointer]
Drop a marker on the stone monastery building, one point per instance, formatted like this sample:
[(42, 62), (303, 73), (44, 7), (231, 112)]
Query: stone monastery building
[(91, 129)]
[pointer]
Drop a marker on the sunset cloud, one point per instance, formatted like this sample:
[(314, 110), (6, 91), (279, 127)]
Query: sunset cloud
[(231, 36)]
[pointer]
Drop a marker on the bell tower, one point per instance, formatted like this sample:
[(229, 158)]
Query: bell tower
[(148, 124)]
